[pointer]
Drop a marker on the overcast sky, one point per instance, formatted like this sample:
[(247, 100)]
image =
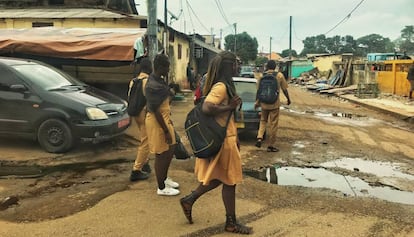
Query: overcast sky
[(270, 18)]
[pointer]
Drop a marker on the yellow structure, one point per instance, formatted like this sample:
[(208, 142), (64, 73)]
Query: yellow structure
[(179, 52), (324, 63), (392, 78), (68, 18)]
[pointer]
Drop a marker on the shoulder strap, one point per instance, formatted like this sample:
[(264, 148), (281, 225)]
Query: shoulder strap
[(231, 111), (228, 93)]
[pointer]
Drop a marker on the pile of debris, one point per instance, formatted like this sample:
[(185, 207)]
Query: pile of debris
[(336, 84)]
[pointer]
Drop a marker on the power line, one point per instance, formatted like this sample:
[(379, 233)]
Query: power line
[(198, 19), (189, 15), (346, 17), (221, 10), (294, 31)]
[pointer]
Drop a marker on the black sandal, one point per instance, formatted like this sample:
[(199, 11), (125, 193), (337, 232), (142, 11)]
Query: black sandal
[(187, 206), (258, 143), (234, 227), (272, 149)]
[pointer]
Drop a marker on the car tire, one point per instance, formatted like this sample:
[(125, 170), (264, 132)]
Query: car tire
[(55, 136)]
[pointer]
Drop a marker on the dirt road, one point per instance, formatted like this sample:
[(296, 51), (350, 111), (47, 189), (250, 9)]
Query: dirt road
[(342, 170)]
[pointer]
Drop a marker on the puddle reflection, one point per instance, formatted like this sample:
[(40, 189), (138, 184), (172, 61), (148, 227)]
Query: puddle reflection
[(380, 169), (322, 178)]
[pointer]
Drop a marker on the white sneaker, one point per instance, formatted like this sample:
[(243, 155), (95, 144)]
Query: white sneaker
[(170, 183), (168, 191)]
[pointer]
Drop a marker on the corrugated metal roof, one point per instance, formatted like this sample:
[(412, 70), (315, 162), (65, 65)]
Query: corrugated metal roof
[(63, 13)]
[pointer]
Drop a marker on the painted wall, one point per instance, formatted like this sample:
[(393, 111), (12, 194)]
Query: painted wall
[(301, 66), (324, 63), (179, 52), (393, 79), (73, 22)]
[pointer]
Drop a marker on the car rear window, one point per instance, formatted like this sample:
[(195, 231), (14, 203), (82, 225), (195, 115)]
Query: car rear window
[(246, 69), (246, 90)]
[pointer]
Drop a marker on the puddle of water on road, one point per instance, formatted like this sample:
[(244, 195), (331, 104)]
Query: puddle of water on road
[(299, 144), (380, 169), (337, 117), (322, 178)]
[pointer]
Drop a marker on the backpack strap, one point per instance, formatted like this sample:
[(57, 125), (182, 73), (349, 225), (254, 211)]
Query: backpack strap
[(228, 94), (231, 111)]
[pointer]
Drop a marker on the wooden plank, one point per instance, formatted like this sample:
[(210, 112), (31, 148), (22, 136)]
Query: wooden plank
[(339, 89)]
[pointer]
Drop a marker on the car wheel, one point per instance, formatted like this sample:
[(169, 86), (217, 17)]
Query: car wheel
[(55, 136)]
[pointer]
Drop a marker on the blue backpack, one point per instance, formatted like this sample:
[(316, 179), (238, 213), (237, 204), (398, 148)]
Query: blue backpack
[(268, 89)]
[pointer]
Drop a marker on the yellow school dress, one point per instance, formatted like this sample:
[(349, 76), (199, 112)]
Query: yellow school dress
[(155, 133), (226, 166)]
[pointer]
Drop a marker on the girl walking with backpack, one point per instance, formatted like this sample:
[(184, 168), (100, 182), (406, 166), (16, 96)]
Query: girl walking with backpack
[(225, 168), (160, 130), (141, 168)]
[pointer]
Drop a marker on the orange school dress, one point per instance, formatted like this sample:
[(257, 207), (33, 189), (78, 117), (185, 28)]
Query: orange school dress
[(156, 136), (226, 166)]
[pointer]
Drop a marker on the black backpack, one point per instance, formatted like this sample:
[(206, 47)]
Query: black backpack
[(136, 98), (205, 135), (268, 89)]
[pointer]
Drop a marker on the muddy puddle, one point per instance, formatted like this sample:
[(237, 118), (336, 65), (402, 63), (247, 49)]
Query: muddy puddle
[(338, 117), (24, 171), (321, 177), (380, 169)]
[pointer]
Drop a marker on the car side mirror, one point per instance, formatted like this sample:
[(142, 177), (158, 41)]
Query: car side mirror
[(18, 88)]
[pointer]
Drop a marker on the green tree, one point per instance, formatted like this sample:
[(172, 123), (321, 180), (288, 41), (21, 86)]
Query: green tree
[(407, 39), (286, 53), (246, 46), (348, 44), (314, 44), (260, 61), (375, 43), (333, 45)]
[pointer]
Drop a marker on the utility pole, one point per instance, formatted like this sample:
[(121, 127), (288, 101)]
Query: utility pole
[(290, 37), (288, 66), (212, 37), (235, 41), (165, 35), (152, 29), (270, 48), (221, 37)]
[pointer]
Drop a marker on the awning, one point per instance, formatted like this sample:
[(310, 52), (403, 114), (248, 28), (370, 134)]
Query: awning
[(112, 44)]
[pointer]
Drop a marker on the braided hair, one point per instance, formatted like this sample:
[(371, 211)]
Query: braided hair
[(221, 69)]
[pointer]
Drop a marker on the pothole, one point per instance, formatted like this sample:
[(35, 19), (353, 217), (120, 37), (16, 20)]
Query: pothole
[(339, 117), (323, 178), (378, 168), (26, 171)]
